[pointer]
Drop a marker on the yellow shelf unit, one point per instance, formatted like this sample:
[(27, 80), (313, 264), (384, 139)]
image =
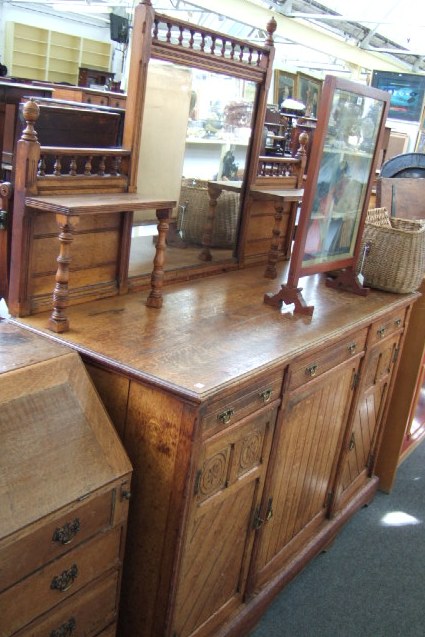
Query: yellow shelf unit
[(41, 54)]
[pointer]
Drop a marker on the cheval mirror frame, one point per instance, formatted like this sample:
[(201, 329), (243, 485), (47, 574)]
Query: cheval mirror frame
[(167, 39), (346, 145)]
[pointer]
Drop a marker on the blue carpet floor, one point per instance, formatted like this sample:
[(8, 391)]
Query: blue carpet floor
[(371, 581)]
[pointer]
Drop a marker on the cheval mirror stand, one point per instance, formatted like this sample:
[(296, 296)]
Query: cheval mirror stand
[(350, 130)]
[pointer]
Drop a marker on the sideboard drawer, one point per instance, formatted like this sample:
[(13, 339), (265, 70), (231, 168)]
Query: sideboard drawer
[(242, 403), (313, 365), (85, 613), (386, 326), (59, 580), (54, 539)]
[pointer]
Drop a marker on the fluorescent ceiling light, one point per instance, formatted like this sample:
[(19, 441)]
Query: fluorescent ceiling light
[(76, 7)]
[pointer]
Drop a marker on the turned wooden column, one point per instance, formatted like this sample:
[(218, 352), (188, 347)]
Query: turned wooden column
[(157, 278), (58, 321), (213, 194), (273, 256), (6, 190)]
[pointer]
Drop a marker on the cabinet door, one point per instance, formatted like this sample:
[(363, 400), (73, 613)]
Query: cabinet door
[(361, 445), (219, 538), (295, 501)]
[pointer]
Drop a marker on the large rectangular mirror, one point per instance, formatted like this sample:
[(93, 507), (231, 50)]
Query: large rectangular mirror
[(196, 129), (196, 103)]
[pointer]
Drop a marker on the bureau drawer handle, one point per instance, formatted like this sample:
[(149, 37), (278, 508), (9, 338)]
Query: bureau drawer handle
[(312, 370), (397, 322), (352, 348), (64, 581), (266, 395), (66, 533), (381, 332), (66, 629), (225, 416)]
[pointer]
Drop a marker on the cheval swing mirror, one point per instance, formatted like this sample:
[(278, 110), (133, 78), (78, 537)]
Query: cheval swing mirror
[(350, 130)]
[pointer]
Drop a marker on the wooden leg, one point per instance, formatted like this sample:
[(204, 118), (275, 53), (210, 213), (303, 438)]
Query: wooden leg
[(205, 254), (288, 295), (157, 278), (348, 280), (58, 321)]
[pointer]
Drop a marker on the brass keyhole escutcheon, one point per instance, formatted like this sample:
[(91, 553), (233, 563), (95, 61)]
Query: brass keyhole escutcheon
[(266, 395), (352, 348), (312, 370), (225, 416)]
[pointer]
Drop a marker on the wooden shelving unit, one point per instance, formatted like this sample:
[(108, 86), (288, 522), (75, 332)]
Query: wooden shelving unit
[(52, 56)]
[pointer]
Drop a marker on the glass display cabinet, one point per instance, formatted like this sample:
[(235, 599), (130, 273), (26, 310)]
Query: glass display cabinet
[(350, 128)]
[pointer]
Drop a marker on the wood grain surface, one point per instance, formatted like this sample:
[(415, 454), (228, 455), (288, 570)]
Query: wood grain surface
[(213, 331)]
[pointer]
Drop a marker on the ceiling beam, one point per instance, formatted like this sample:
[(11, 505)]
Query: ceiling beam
[(300, 33)]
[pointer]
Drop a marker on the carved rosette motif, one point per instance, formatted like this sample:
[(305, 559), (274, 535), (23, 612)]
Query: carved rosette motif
[(250, 452), (214, 474)]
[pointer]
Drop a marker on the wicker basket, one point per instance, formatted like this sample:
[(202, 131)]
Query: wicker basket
[(193, 213), (395, 260)]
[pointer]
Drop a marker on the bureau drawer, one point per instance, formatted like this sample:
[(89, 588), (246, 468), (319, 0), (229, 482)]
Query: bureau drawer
[(84, 614), (388, 325), (242, 403), (51, 585), (313, 365), (54, 539)]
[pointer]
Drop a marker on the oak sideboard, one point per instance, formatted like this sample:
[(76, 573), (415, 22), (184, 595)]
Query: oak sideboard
[(252, 432)]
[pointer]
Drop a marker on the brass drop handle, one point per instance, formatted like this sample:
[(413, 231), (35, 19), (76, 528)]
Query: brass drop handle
[(66, 629), (225, 416), (397, 322), (3, 219), (266, 395), (258, 522), (352, 348), (381, 332), (312, 370), (125, 495), (66, 533), (65, 580), (352, 442)]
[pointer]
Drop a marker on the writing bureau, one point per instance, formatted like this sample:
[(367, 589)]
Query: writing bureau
[(252, 433), (64, 490)]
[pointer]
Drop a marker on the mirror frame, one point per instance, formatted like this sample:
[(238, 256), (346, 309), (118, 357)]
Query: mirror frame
[(161, 37), (346, 277)]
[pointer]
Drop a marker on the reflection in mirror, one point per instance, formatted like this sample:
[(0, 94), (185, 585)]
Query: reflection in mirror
[(196, 129), (343, 177)]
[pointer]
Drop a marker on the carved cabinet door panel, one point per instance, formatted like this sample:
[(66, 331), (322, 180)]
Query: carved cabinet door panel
[(360, 449), (227, 490), (311, 430)]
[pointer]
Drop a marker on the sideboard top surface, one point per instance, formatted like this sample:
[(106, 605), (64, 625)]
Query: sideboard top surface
[(214, 331)]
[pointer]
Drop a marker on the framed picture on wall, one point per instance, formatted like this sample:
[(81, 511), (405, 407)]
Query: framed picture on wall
[(309, 89), (285, 86), (406, 93)]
